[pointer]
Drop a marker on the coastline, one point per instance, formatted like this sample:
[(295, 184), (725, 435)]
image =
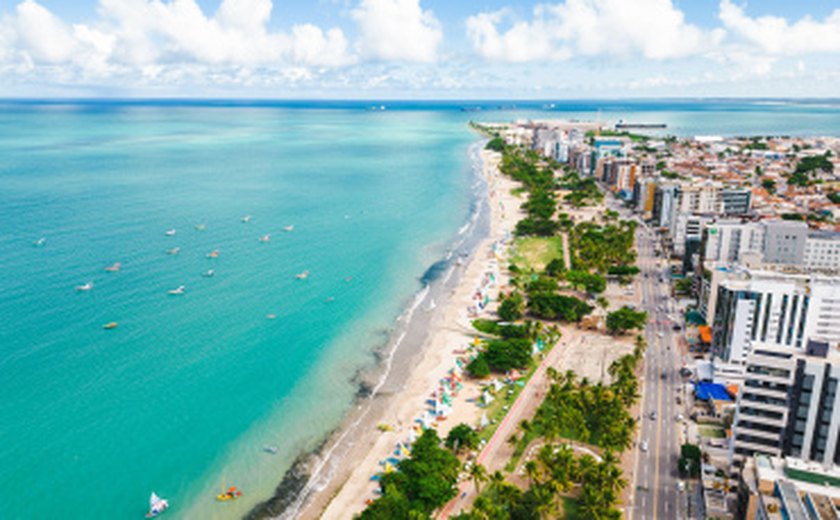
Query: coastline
[(335, 481)]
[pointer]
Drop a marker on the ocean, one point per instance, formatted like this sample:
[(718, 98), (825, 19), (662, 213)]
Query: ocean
[(183, 395)]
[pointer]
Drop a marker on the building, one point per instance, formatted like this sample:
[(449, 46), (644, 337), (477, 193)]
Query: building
[(822, 250), (729, 240), (784, 242), (789, 404), (784, 308), (736, 201)]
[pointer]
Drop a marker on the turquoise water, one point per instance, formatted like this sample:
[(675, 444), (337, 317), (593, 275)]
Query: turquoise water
[(183, 394), (181, 397)]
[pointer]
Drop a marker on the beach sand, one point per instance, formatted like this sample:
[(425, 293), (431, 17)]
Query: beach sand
[(399, 403)]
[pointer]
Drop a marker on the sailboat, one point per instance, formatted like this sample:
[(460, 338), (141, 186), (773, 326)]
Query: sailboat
[(174, 251), (213, 254), (40, 242), (113, 268), (86, 287), (180, 290), (302, 276), (246, 219), (157, 505), (170, 233), (289, 228), (265, 238)]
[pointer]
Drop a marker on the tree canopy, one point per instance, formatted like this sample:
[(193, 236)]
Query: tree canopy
[(624, 319)]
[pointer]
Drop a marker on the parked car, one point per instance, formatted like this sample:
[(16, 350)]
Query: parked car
[(643, 446), (653, 415)]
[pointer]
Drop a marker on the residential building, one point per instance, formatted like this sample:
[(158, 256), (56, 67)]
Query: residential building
[(784, 308)]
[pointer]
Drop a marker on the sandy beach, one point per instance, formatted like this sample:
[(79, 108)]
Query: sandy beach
[(450, 331)]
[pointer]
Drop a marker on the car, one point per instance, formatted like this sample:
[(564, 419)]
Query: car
[(664, 375), (680, 486), (643, 446), (653, 416), (679, 417), (679, 401), (676, 328), (660, 335)]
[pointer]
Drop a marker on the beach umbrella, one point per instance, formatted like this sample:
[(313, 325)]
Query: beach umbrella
[(484, 421)]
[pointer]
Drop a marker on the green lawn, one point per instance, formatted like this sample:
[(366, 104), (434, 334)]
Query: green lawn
[(813, 478), (534, 253), (712, 432)]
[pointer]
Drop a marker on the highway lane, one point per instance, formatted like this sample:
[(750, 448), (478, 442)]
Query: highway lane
[(654, 480)]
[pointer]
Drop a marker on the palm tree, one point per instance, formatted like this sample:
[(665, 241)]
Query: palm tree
[(532, 469), (544, 503), (478, 474)]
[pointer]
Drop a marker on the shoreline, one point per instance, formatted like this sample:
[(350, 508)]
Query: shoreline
[(317, 478)]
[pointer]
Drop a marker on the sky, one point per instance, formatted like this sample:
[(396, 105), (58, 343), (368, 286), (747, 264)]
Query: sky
[(420, 49)]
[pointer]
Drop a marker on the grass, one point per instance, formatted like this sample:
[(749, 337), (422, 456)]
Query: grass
[(534, 253), (569, 508), (813, 478), (711, 432), (495, 410)]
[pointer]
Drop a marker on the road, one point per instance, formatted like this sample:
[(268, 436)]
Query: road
[(654, 479)]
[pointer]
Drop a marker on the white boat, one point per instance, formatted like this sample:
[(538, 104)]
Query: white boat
[(114, 268), (246, 219), (289, 229), (170, 233), (174, 251), (200, 227), (208, 274), (40, 242), (265, 238), (180, 290), (302, 276), (86, 287), (157, 506)]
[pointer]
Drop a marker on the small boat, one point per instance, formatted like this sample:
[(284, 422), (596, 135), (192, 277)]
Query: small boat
[(270, 316), (246, 219), (302, 276), (170, 233), (86, 287), (231, 494), (213, 254), (270, 449), (209, 273), (265, 238), (114, 268), (180, 290), (348, 279), (174, 251), (157, 506), (40, 242), (110, 325), (330, 299), (200, 227), (289, 229)]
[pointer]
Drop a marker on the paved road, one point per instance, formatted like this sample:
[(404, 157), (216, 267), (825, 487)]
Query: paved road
[(654, 479)]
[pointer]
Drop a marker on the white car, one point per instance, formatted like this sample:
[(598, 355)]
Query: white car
[(643, 446), (680, 486)]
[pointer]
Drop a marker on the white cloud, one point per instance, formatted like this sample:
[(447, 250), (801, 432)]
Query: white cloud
[(397, 30), (654, 29), (776, 36), (167, 41)]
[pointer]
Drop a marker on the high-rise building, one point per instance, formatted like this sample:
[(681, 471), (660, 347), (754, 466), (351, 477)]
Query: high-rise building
[(773, 307), (789, 404)]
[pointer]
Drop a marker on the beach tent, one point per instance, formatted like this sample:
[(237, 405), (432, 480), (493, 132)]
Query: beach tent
[(484, 421)]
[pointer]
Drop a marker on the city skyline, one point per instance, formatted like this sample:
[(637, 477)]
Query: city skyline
[(412, 49)]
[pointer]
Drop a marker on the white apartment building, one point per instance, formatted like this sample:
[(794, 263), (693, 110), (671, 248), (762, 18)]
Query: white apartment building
[(789, 404), (822, 250), (773, 307)]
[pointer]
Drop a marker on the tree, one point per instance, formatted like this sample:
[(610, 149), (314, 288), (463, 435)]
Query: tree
[(478, 367), (506, 354), (497, 144), (624, 319), (591, 283), (689, 462), (478, 474), (555, 267), (558, 307), (512, 307), (461, 437)]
